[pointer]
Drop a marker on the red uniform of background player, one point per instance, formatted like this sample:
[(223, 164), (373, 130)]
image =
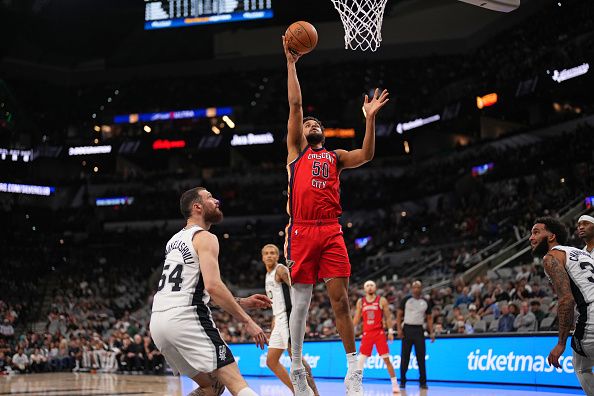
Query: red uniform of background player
[(376, 314), (315, 248)]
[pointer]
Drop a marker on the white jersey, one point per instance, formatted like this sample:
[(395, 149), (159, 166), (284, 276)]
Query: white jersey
[(181, 283), (274, 291), (591, 253), (580, 268)]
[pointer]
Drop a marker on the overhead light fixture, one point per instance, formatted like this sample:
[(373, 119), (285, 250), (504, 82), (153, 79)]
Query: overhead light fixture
[(147, 129), (229, 122), (215, 130), (486, 101)]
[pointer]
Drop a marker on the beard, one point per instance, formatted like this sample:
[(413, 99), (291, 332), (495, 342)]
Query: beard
[(314, 139), (213, 216), (541, 249)]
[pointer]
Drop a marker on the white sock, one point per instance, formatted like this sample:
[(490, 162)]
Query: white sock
[(352, 361), (300, 299), (361, 362), (394, 381), (246, 392)]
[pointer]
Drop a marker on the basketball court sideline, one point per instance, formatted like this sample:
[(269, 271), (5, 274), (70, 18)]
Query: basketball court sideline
[(66, 384)]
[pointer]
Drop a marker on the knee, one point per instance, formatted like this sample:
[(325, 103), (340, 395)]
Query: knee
[(341, 305)]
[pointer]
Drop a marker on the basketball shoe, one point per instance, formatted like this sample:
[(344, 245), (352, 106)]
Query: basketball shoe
[(299, 381), (353, 382)]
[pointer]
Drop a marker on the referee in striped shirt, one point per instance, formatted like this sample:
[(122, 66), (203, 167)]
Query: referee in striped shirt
[(413, 312)]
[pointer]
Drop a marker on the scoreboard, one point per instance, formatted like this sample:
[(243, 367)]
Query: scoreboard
[(178, 13)]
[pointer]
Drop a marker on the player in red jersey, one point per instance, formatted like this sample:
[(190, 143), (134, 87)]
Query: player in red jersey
[(314, 247), (375, 311)]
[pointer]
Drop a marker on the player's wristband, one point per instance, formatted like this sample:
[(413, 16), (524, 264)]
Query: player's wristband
[(391, 331)]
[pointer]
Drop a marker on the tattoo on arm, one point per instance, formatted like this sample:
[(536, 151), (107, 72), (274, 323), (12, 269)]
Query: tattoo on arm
[(560, 280)]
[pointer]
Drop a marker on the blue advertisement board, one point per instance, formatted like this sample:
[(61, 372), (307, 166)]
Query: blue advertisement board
[(505, 360)]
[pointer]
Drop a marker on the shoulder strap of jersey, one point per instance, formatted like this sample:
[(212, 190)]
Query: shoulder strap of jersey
[(301, 154), (564, 249)]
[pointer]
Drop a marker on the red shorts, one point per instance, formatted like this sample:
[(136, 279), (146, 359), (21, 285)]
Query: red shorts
[(371, 338), (316, 250)]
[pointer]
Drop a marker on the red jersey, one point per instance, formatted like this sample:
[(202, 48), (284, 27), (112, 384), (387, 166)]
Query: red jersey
[(314, 185), (372, 315)]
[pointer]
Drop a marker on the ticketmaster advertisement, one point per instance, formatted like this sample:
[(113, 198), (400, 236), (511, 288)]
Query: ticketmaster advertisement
[(516, 360)]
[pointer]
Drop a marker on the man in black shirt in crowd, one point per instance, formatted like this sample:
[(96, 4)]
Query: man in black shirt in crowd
[(135, 355)]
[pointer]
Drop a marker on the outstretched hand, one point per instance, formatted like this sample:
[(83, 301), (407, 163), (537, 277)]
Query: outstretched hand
[(256, 301), (255, 331), (292, 56), (371, 107)]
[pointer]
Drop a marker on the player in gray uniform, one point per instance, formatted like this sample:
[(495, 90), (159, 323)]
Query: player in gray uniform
[(585, 229), (181, 322), (571, 271), (278, 282)]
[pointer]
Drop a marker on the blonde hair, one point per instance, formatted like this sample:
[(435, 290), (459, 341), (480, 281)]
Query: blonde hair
[(270, 245), (417, 283)]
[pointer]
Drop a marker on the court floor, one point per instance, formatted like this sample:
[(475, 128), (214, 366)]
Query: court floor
[(63, 384)]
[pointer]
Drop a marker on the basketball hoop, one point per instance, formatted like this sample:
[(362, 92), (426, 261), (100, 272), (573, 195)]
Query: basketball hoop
[(362, 21)]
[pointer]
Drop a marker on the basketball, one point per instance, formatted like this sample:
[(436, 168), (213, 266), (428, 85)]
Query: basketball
[(302, 37)]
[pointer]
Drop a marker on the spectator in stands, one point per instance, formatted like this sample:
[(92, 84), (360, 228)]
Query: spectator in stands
[(514, 310), (6, 329), (4, 363), (525, 322), (438, 327), (123, 357), (473, 317), (477, 286), (54, 358), (453, 319), (490, 308), (538, 313), (65, 360), (38, 361), (537, 292), (20, 362), (154, 359), (500, 294), (524, 274), (461, 327), (75, 352), (464, 297), (135, 356), (506, 321), (520, 292)]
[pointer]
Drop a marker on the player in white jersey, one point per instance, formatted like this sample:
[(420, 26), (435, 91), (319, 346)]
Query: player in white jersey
[(278, 282), (585, 229), (571, 271), (181, 322)]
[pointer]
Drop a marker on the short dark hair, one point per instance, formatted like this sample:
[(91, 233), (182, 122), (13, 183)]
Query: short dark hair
[(187, 199), (310, 118), (554, 226), (535, 303)]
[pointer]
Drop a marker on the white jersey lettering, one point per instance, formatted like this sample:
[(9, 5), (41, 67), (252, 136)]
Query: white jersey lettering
[(580, 267), (181, 283)]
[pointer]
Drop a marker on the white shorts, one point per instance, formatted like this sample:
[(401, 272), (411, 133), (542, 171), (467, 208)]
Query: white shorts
[(189, 340), (279, 338)]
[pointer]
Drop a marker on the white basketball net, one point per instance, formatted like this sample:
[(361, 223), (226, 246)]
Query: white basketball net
[(362, 21)]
